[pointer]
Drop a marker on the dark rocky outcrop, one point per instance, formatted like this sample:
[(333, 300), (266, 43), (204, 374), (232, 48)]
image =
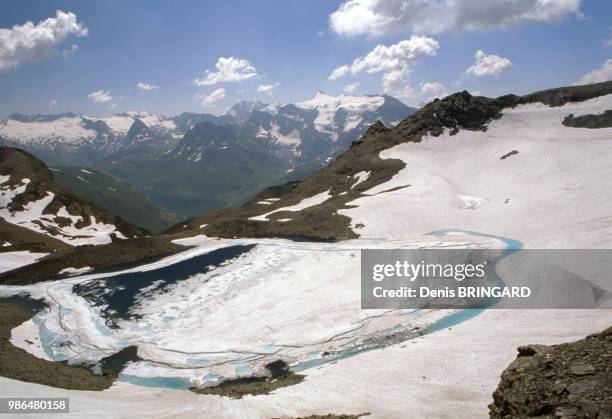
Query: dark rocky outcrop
[(562, 95), (603, 120), (508, 154), (278, 376), (571, 380)]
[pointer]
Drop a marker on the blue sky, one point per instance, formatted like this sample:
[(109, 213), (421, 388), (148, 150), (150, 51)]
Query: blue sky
[(292, 47)]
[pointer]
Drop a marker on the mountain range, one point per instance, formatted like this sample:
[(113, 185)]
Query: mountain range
[(194, 162), (276, 281)]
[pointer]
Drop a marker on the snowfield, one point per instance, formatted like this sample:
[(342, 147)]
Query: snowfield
[(303, 204), (14, 260), (556, 192), (67, 129), (300, 301), (32, 217)]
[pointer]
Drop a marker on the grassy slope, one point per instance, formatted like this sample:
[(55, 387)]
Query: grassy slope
[(114, 195), (221, 179)]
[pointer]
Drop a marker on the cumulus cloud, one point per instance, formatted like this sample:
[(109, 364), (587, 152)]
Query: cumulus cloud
[(53, 103), (210, 99), (145, 87), (383, 17), (488, 65), (350, 88), (266, 88), (100, 96), (401, 56), (394, 61), (603, 73), (29, 42), (228, 70), (433, 90)]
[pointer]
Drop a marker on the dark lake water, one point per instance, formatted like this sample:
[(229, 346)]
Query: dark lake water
[(119, 293), (24, 301)]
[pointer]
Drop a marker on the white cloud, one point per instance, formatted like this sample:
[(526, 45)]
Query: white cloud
[(607, 42), (208, 100), (350, 88), (433, 90), (30, 42), (53, 103), (100, 96), (395, 61), (339, 72), (145, 87), (228, 69), (401, 56), (266, 88), (488, 65), (383, 17), (603, 73), (393, 80)]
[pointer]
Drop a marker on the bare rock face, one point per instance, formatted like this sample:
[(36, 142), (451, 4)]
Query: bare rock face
[(603, 120), (571, 380)]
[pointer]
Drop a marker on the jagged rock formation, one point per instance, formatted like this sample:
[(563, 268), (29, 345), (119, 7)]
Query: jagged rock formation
[(571, 380), (603, 120)]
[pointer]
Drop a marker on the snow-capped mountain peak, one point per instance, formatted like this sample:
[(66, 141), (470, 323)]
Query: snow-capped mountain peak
[(271, 108), (70, 128), (241, 111), (342, 113), (322, 100), (120, 123)]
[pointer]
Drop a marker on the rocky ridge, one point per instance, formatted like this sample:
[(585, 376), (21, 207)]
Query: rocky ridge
[(571, 380)]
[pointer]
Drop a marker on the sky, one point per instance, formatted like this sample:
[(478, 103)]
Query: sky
[(99, 58)]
